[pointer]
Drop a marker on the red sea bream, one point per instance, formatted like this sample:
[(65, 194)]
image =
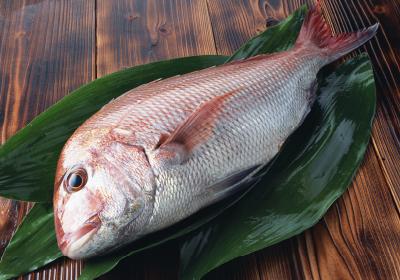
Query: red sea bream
[(164, 150)]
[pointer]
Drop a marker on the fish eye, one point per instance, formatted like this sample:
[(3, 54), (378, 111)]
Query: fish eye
[(76, 180)]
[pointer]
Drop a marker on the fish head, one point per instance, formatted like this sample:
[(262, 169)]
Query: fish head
[(101, 199)]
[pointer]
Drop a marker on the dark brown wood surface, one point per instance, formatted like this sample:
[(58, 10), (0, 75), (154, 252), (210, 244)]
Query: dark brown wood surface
[(50, 47)]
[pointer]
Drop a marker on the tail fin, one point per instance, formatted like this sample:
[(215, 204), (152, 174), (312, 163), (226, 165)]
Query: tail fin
[(316, 32)]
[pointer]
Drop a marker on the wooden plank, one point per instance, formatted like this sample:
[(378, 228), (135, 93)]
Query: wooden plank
[(46, 50), (137, 32), (237, 22), (279, 261), (234, 23), (384, 51)]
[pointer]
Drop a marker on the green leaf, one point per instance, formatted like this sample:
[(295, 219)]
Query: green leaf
[(312, 171), (28, 159), (33, 245)]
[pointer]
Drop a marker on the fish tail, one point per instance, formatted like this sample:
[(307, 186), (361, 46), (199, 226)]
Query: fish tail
[(316, 32)]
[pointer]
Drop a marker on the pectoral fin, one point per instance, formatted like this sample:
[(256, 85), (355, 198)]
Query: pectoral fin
[(198, 127)]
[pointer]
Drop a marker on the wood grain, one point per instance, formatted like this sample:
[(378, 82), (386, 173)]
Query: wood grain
[(49, 47), (137, 32), (9, 215), (46, 50), (237, 22), (384, 51)]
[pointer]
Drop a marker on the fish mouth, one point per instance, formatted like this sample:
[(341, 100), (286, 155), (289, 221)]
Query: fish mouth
[(70, 243)]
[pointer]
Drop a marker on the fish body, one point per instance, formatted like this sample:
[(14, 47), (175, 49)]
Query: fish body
[(164, 150)]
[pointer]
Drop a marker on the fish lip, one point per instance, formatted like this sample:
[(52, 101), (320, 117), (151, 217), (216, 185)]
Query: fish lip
[(69, 241)]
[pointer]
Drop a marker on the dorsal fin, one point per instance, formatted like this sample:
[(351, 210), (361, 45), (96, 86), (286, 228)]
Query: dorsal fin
[(198, 126)]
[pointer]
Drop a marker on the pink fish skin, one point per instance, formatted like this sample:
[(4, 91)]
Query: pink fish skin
[(164, 150)]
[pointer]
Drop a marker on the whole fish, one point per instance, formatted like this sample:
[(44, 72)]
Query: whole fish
[(164, 150)]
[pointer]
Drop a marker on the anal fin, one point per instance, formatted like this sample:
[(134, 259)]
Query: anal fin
[(232, 184)]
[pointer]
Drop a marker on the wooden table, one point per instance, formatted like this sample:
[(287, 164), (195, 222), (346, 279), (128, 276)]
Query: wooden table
[(50, 47)]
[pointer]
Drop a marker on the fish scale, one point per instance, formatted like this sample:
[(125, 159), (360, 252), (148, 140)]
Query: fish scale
[(165, 150)]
